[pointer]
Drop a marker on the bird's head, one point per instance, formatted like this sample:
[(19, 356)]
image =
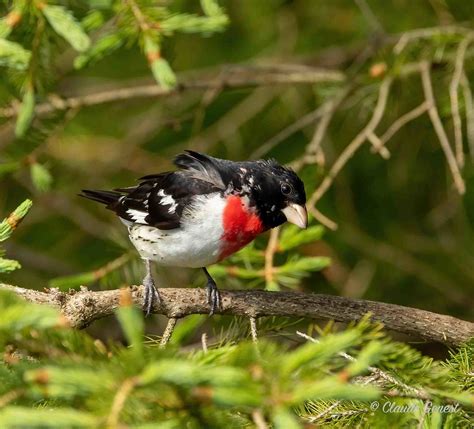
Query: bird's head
[(278, 194)]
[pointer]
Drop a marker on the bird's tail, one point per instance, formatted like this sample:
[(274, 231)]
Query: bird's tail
[(109, 198)]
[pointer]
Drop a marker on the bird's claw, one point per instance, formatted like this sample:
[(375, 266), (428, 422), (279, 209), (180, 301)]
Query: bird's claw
[(213, 297), (151, 295)]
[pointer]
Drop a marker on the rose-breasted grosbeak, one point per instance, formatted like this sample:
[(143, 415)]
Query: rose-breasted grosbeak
[(203, 212)]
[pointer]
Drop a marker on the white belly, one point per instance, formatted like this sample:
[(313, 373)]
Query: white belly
[(197, 243)]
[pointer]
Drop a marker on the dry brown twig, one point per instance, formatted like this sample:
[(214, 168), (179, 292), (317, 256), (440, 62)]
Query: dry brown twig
[(401, 122), (378, 143), (423, 33), (230, 123), (325, 114), (356, 143), (259, 419), (253, 329), (82, 308), (302, 122), (469, 107), (168, 331), (322, 219), (204, 342), (454, 98), (438, 126), (234, 77), (119, 401)]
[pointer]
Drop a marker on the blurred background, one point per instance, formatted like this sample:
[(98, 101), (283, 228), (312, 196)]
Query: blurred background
[(293, 80)]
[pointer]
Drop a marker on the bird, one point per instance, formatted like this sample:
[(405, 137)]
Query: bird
[(203, 212)]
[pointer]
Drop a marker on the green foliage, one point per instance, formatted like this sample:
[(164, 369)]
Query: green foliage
[(25, 115), (102, 47), (41, 177), (13, 55), (145, 23), (403, 236), (81, 382), (292, 236), (20, 317), (7, 226), (131, 320), (159, 66), (25, 417), (66, 26), (290, 266), (138, 22)]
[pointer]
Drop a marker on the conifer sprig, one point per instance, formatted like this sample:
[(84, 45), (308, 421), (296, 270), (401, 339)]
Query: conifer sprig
[(83, 383), (101, 32), (7, 226)]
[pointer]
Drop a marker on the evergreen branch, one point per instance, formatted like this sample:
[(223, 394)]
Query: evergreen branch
[(233, 77), (81, 308)]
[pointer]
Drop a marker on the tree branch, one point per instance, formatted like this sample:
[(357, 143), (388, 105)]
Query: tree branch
[(82, 307), (230, 77)]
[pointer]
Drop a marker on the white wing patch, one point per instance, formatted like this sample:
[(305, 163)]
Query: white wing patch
[(196, 243), (167, 200), (137, 215)]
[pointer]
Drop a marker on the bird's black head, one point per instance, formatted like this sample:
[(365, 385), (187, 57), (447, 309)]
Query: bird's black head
[(276, 191)]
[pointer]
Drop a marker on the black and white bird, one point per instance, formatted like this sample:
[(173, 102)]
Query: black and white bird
[(203, 212)]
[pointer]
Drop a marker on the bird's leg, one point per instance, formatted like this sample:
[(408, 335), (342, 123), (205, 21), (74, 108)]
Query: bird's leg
[(151, 293), (213, 294)]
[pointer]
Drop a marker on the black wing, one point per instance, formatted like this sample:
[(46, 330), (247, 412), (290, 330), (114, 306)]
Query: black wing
[(159, 200)]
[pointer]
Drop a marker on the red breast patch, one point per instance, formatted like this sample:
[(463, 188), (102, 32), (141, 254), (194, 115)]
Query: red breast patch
[(240, 226)]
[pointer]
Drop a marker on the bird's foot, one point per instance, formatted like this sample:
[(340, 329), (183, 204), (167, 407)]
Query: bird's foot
[(213, 296), (151, 294)]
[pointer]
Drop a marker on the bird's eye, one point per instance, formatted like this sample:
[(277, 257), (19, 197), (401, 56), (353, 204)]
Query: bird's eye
[(286, 189)]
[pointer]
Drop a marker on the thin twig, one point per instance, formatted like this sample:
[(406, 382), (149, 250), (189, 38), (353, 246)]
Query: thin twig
[(378, 146), (405, 262), (258, 419), (119, 401), (369, 15), (320, 131), (253, 329), (10, 396), (313, 150), (322, 218), (270, 251), (137, 13), (204, 342), (421, 423), (82, 308), (234, 77), (375, 371), (402, 121), (469, 107), (112, 266), (302, 122), (454, 97), (168, 331), (324, 112), (423, 33), (438, 126), (230, 123), (324, 413), (356, 143)]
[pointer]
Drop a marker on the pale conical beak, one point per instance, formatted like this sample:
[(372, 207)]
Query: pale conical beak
[(297, 215)]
